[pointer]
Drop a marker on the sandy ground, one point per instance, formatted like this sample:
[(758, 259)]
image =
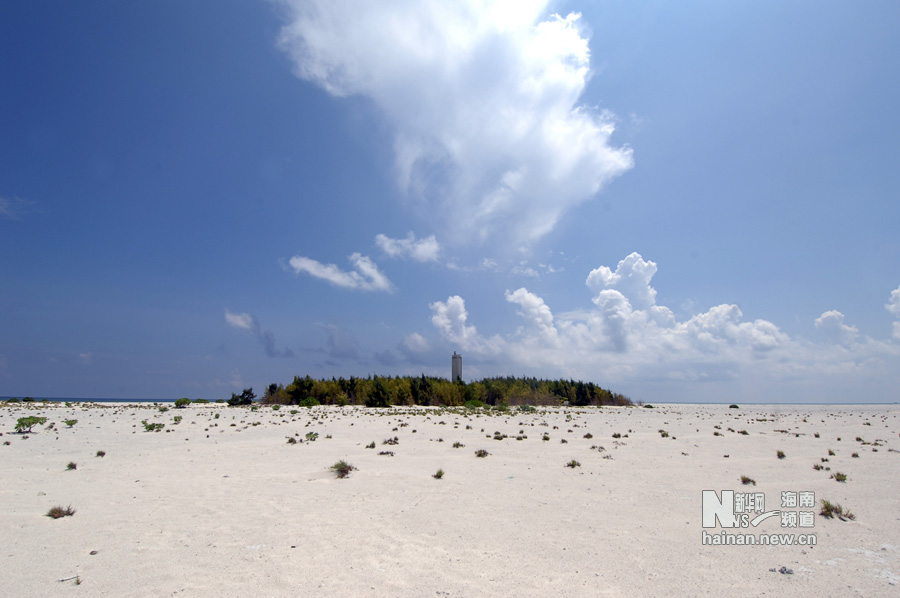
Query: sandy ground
[(221, 504)]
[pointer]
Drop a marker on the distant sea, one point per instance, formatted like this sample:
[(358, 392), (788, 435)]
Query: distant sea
[(86, 400)]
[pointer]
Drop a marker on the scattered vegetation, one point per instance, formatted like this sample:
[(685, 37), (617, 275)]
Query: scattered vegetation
[(311, 436), (747, 481), (839, 477), (342, 469), (458, 445), (70, 422), (57, 512), (481, 453), (438, 474), (152, 427)]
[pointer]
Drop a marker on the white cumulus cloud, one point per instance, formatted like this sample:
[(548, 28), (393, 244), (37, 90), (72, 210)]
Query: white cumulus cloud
[(483, 98), (365, 276), (422, 250), (626, 338)]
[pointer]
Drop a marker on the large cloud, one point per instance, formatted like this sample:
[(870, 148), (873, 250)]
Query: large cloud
[(483, 100), (626, 338)]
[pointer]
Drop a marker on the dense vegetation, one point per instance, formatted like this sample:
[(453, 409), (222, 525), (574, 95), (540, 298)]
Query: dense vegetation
[(380, 391)]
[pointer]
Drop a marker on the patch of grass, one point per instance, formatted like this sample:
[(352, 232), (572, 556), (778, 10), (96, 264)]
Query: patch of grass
[(148, 427), (458, 445), (71, 466), (781, 454), (481, 453), (311, 436), (57, 512), (818, 467), (438, 474), (371, 445), (747, 481), (573, 464), (342, 469), (839, 477), (830, 510), (70, 422)]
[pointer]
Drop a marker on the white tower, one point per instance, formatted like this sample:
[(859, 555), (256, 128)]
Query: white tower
[(456, 367)]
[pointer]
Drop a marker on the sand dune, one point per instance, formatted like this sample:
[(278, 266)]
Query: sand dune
[(221, 504)]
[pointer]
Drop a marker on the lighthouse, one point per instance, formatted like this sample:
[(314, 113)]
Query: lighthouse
[(456, 367)]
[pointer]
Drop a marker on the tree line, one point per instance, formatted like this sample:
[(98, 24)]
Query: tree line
[(385, 391)]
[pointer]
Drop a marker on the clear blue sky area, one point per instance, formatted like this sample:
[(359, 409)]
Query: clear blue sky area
[(691, 201)]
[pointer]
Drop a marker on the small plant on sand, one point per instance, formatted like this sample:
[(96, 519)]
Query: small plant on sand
[(839, 477), (70, 422), (830, 453), (57, 512), (101, 453), (781, 454), (387, 453), (616, 435), (391, 441), (176, 420), (291, 440), (545, 437), (588, 435), (71, 466), (663, 433), (481, 453), (371, 445), (311, 436), (24, 424), (831, 510), (458, 445), (573, 464), (148, 427), (818, 467), (438, 474), (733, 407), (747, 481), (342, 469), (855, 455)]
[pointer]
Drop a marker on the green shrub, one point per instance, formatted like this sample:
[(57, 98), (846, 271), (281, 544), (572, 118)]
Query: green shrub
[(182, 403), (781, 454), (311, 436), (101, 453), (438, 474), (176, 420), (481, 453), (71, 466), (276, 407), (309, 402), (70, 422), (371, 445), (342, 469), (733, 406), (24, 424), (746, 481), (149, 427), (201, 401), (458, 445), (527, 408), (839, 477), (573, 464)]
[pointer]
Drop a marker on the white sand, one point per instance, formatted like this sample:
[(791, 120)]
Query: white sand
[(216, 510)]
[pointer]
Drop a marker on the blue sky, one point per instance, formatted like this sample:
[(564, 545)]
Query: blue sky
[(691, 201)]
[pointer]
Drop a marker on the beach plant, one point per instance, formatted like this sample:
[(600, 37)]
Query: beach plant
[(24, 424), (855, 455), (839, 477), (71, 466), (342, 469), (57, 512), (663, 434), (458, 445), (616, 435), (371, 445), (70, 422), (152, 427), (573, 464), (733, 406), (387, 453), (818, 467), (747, 481), (830, 510), (101, 453), (182, 403), (481, 453), (176, 420), (781, 454), (438, 474), (291, 440), (311, 436), (830, 453)]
